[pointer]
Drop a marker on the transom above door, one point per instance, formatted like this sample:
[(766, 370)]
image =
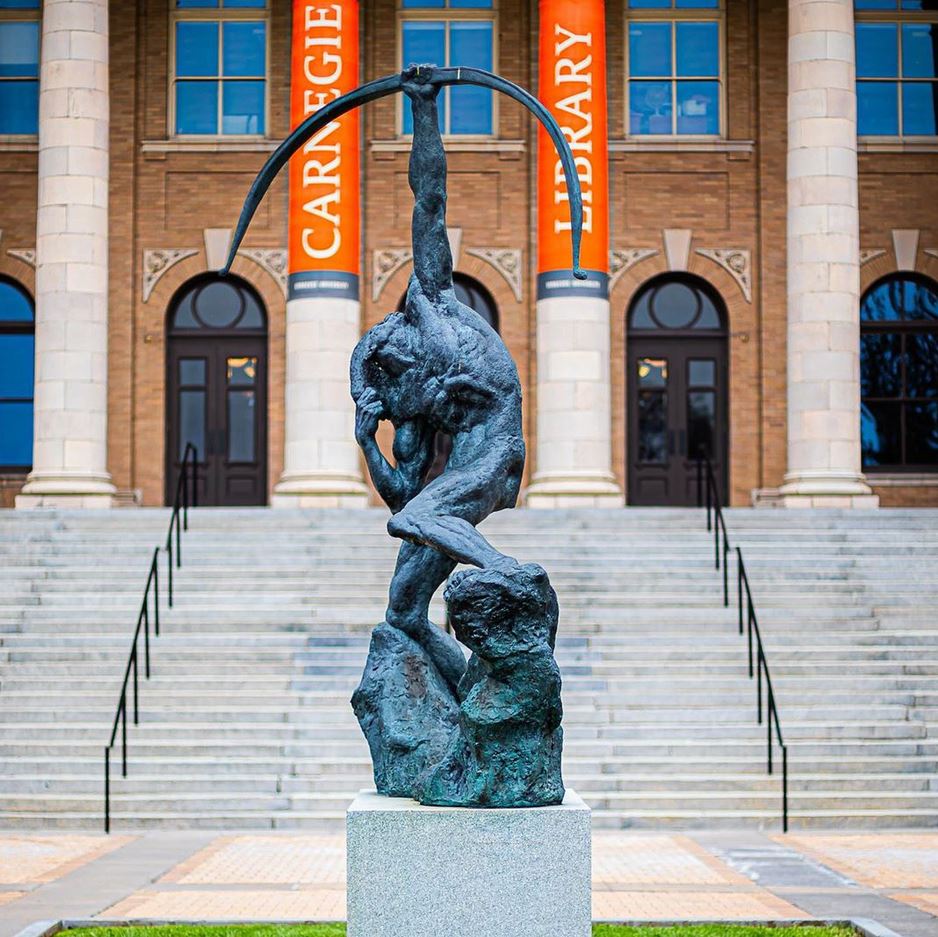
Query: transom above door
[(217, 391), (676, 390)]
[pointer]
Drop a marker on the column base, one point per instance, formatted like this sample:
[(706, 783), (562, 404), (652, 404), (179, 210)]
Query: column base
[(826, 490), (570, 490), (66, 491), (319, 491)]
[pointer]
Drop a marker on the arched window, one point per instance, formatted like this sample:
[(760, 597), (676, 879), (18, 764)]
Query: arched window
[(899, 373), (17, 357)]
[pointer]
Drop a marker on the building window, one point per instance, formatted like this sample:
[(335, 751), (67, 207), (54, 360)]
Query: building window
[(19, 67), (674, 67), (17, 353), (897, 68), (899, 374), (219, 76), (451, 32)]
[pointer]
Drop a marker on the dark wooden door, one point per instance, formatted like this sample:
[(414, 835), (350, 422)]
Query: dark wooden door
[(677, 408), (217, 388)]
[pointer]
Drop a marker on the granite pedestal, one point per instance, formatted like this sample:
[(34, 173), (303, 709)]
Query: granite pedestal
[(416, 871)]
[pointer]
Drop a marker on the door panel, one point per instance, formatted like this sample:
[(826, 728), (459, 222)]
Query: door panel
[(217, 400), (677, 407)]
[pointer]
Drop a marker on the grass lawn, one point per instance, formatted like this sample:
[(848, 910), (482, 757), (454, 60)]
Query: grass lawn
[(338, 930)]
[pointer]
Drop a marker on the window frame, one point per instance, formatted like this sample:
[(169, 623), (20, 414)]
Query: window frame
[(900, 327), (676, 15), (446, 14), (220, 15), (20, 328), (899, 17), (24, 15)]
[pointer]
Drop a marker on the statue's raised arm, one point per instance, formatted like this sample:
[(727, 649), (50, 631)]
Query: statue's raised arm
[(433, 261)]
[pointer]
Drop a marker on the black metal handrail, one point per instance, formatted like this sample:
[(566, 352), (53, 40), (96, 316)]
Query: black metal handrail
[(185, 490), (709, 493)]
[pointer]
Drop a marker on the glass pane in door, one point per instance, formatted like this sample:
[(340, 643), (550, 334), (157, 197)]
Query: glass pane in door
[(242, 375), (701, 423), (652, 410), (191, 420)]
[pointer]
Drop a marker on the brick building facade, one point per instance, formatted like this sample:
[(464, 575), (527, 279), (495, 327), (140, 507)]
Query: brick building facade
[(714, 211)]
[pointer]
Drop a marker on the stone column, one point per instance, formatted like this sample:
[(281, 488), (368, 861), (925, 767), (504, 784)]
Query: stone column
[(321, 461), (823, 261), (573, 463), (70, 428)]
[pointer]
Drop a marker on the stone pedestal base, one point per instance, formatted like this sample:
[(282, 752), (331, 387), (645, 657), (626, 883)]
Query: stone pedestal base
[(319, 491), (574, 491), (48, 490), (433, 871), (826, 490)]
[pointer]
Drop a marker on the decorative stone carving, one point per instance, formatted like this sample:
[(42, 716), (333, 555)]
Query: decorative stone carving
[(736, 262), (272, 260), (621, 261), (157, 261), (871, 254), (507, 261), (26, 254), (385, 263)]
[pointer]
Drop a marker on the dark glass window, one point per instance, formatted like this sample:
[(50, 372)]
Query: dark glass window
[(220, 73), (17, 361), (675, 304), (897, 68), (452, 38), (899, 374), (19, 69), (674, 69)]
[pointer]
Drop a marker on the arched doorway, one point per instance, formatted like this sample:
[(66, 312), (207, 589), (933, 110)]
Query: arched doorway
[(899, 374), (216, 384), (677, 389), (471, 293), (17, 352)]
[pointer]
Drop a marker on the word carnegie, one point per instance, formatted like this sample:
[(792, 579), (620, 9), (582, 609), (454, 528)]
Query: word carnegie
[(573, 68), (322, 154)]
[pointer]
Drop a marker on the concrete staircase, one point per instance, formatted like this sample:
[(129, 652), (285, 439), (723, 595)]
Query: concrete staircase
[(246, 722)]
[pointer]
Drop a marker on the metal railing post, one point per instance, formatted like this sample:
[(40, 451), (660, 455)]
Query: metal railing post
[(156, 591), (107, 789), (749, 631), (739, 586), (124, 734), (784, 788), (759, 685)]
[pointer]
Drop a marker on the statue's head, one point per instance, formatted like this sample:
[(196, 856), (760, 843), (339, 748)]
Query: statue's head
[(389, 359), (497, 613)]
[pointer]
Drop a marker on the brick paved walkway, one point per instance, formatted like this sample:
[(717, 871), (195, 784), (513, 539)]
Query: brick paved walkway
[(892, 878)]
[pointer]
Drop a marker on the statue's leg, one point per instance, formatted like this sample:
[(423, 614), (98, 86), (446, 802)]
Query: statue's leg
[(420, 571), (455, 537)]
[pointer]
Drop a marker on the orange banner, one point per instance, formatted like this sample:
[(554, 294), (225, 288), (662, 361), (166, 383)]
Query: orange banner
[(324, 176), (573, 86)]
